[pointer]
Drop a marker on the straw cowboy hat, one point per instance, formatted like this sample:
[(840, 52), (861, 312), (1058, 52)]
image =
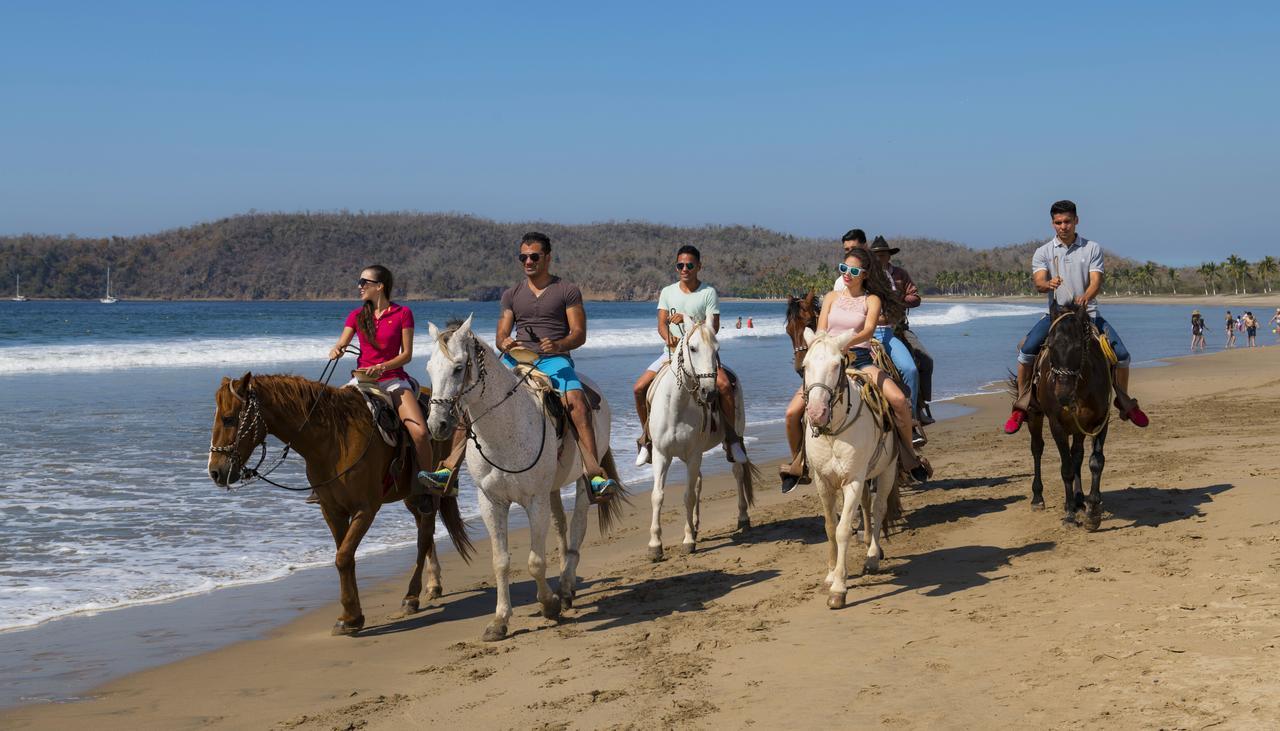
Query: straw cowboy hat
[(1195, 312), (879, 244)]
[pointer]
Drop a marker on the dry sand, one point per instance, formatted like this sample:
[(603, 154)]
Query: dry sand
[(985, 613)]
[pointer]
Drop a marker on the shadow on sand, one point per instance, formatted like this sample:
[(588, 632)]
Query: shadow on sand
[(658, 597), (937, 513), (1149, 507), (944, 571)]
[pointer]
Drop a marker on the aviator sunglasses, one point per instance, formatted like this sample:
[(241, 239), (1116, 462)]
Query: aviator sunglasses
[(682, 265), (534, 257), (850, 270)]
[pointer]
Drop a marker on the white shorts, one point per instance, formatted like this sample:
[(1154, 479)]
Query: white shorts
[(391, 385), (661, 361)]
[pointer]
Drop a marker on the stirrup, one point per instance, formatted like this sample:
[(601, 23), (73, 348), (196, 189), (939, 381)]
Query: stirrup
[(437, 482)]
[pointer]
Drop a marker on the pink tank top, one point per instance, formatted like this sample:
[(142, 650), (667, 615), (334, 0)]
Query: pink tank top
[(848, 313)]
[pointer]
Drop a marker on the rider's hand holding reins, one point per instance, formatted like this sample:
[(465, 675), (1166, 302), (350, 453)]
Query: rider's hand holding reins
[(547, 345), (335, 353)]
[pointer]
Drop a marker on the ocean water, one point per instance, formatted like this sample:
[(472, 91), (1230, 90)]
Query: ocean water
[(105, 415)]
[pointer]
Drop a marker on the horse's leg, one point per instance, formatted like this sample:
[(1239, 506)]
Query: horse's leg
[(435, 589), (740, 476), (661, 464), (495, 521), (410, 603), (1097, 461), (352, 619), (875, 525), (844, 531), (560, 523), (1062, 440), (697, 508), (539, 512), (1036, 426), (693, 469), (1077, 464), (828, 495), (577, 532)]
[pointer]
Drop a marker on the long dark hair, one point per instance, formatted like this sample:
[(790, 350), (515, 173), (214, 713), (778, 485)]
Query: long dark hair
[(365, 319), (877, 283)]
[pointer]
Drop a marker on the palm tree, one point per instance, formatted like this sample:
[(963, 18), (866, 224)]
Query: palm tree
[(1173, 279), (1266, 269), (1149, 272), (1210, 271), (1239, 270)]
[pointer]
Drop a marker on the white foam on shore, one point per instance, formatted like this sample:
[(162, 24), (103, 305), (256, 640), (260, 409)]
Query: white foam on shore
[(956, 314)]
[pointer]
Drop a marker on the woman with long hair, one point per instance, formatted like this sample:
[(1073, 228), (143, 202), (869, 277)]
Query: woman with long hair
[(866, 295), (385, 332)]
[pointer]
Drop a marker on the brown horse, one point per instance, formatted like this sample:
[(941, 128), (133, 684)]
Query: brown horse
[(802, 312), (347, 464), (1073, 391)]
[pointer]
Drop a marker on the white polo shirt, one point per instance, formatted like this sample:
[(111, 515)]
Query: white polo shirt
[(1072, 263)]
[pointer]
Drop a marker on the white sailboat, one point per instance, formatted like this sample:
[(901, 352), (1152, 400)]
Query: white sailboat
[(17, 290), (108, 300)]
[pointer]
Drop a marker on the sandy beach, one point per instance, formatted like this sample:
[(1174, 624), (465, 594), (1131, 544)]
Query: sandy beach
[(985, 613)]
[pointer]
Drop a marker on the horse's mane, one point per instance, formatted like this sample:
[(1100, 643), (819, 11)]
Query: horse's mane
[(293, 396)]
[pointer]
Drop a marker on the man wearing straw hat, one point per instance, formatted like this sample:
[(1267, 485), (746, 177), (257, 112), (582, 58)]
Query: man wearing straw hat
[(1069, 269)]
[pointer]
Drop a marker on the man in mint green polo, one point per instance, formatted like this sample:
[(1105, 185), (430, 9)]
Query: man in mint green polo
[(688, 300)]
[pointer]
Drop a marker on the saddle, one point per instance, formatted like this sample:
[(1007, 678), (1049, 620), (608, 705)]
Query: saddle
[(539, 384), (387, 423), (872, 396)]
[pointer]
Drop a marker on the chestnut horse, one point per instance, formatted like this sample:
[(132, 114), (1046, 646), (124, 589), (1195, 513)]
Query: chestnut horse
[(347, 465), (1073, 391), (802, 312)]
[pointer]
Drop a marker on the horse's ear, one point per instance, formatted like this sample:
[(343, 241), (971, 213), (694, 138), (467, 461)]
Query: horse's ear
[(809, 335), (246, 381), (843, 340), (433, 331), (463, 330)]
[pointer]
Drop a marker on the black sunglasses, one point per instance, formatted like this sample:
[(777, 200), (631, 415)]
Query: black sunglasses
[(534, 257), (362, 282), (685, 265)]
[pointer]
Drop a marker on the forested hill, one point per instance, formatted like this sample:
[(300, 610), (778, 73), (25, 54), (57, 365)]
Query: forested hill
[(318, 256)]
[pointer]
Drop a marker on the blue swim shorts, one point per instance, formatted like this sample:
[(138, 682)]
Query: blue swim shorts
[(559, 368)]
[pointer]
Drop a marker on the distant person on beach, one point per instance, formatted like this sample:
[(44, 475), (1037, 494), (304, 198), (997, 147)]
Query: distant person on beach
[(1275, 324), (1251, 328), (1197, 331), (750, 324), (385, 332), (1069, 269), (738, 325), (1231, 330), (681, 304)]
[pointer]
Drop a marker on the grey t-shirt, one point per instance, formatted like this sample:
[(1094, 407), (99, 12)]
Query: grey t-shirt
[(546, 314), (1072, 263)]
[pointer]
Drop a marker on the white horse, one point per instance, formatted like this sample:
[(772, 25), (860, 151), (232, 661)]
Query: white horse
[(514, 457), (847, 450), (682, 420)]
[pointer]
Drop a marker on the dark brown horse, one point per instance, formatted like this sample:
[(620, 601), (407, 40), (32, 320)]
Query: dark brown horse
[(1073, 392), (802, 312), (347, 464)]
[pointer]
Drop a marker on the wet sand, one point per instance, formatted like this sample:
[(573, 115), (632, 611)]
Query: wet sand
[(985, 613)]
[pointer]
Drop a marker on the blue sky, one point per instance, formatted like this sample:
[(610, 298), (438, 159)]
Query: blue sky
[(961, 121)]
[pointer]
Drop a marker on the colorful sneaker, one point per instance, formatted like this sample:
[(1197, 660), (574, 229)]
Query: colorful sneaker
[(789, 483), (438, 482), (602, 488), (1015, 422)]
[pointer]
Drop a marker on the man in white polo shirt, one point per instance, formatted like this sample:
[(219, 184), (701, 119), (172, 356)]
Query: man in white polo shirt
[(686, 301), (1069, 269)]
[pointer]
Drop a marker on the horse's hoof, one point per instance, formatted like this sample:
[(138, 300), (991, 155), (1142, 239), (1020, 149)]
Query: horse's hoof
[(744, 524), (342, 628), (566, 600), (409, 606), (871, 566), (686, 548), (494, 632), (1092, 522), (655, 553), (551, 608), (835, 600), (1069, 522), (1037, 506), (434, 592)]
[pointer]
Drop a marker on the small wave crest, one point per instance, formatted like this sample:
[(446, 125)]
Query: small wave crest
[(964, 313)]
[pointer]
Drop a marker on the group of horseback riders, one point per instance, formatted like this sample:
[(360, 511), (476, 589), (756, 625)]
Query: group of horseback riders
[(543, 320)]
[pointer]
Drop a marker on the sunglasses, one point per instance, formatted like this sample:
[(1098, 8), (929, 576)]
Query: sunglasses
[(534, 257), (850, 270), (362, 282), (683, 265)]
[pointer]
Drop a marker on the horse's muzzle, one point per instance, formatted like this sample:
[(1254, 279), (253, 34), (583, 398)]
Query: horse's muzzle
[(223, 477), (441, 427)]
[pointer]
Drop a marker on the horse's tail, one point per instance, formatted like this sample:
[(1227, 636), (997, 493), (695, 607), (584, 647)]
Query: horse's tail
[(451, 516), (609, 512), (750, 473)]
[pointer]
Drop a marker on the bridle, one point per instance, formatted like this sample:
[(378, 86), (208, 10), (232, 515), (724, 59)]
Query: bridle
[(250, 417), (1060, 375), (845, 395), (687, 376)]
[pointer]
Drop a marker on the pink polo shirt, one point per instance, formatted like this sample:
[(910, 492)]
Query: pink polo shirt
[(390, 330)]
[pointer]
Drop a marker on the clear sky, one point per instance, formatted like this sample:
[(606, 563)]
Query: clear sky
[(961, 121)]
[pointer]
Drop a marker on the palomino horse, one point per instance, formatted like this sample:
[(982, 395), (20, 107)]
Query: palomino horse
[(1073, 391), (683, 423), (802, 312), (347, 464), (514, 457), (847, 449)]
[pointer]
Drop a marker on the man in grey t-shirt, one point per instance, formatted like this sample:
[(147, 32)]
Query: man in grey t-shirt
[(1068, 268)]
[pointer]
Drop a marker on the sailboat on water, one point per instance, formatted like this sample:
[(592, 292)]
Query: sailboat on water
[(17, 290), (108, 300)]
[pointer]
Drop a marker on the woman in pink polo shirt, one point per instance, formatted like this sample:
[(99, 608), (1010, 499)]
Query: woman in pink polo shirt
[(385, 330)]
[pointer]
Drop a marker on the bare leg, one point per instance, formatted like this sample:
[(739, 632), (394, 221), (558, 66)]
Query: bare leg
[(640, 391), (415, 423), (795, 436), (728, 413), (580, 415)]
